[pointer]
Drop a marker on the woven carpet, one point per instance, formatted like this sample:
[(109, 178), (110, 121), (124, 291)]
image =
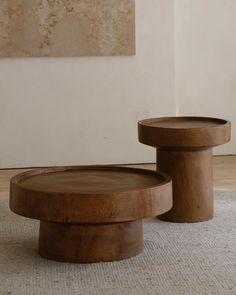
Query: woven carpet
[(198, 258)]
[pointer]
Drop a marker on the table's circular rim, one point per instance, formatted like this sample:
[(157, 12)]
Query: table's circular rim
[(222, 122), (89, 207), (24, 175), (184, 137)]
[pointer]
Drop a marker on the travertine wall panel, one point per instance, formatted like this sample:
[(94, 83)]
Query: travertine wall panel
[(66, 27)]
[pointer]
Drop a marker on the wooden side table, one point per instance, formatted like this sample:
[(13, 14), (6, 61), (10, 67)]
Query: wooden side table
[(90, 213), (184, 152)]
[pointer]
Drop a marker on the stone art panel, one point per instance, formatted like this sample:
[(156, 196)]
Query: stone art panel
[(35, 28)]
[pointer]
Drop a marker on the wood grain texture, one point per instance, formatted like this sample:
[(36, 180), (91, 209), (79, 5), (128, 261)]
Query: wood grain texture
[(66, 28), (191, 172), (75, 203), (185, 132), (184, 152), (84, 243), (143, 194)]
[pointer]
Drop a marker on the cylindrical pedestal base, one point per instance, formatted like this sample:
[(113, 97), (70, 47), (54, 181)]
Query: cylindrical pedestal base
[(191, 172), (86, 243)]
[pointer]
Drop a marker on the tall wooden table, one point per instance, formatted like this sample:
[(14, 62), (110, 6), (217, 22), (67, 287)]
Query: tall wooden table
[(92, 213), (184, 152)]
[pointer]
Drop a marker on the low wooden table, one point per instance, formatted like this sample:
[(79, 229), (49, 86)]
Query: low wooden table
[(184, 151), (92, 213)]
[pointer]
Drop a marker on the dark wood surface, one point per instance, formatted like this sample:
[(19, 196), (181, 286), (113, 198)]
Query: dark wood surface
[(69, 194), (184, 152), (90, 213), (86, 243), (185, 132)]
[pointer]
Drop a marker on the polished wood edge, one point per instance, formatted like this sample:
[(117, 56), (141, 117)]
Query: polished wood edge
[(196, 137), (24, 175), (128, 206), (146, 122), (74, 208)]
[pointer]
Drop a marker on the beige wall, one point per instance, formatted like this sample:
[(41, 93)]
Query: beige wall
[(205, 60), (62, 111)]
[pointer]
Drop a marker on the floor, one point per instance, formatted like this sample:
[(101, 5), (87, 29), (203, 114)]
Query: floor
[(224, 168)]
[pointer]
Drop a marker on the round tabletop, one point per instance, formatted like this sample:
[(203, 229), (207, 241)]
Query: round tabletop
[(184, 131), (90, 194)]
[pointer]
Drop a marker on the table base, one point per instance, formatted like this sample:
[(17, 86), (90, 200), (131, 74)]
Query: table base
[(86, 243), (191, 172)]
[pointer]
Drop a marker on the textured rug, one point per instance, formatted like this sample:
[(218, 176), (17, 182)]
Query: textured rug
[(197, 258)]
